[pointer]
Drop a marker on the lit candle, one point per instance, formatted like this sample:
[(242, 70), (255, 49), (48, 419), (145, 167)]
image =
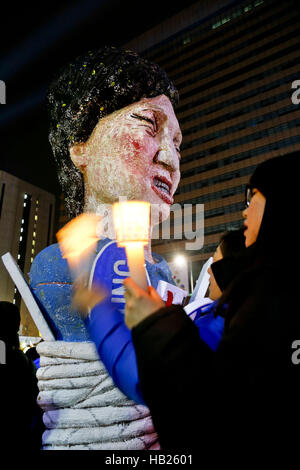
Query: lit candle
[(77, 240), (132, 221)]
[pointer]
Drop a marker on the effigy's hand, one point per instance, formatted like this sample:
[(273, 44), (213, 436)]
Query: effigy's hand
[(140, 304), (85, 299)]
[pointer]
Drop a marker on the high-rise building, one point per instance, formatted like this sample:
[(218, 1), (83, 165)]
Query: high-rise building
[(234, 66), (26, 227)]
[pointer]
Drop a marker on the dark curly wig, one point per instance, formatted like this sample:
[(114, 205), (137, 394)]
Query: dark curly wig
[(91, 87)]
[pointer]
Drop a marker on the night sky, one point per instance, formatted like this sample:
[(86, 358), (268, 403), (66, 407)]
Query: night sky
[(36, 40)]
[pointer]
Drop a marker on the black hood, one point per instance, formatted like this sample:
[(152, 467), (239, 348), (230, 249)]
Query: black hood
[(276, 247), (278, 180)]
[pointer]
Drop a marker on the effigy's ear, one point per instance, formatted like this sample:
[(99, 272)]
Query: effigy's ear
[(78, 155)]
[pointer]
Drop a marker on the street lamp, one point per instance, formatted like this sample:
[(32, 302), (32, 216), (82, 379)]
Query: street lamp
[(180, 260)]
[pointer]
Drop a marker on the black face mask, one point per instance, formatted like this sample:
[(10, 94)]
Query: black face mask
[(228, 268)]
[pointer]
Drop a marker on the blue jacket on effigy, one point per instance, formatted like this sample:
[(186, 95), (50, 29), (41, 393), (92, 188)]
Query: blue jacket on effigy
[(51, 283)]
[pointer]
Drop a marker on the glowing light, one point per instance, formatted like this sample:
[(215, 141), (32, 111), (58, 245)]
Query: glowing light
[(78, 238), (132, 221), (180, 260), (35, 217)]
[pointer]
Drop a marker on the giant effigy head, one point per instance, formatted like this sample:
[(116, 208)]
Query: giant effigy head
[(113, 131)]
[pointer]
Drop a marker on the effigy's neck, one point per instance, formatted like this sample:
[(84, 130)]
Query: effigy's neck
[(106, 227)]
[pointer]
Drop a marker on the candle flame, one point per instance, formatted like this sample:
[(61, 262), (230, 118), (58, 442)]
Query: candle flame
[(131, 221), (78, 238)]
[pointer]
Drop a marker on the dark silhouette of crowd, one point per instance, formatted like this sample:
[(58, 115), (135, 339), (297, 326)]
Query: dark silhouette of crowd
[(21, 417)]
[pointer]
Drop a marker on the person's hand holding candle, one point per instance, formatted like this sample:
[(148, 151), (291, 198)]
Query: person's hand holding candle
[(140, 304), (132, 222)]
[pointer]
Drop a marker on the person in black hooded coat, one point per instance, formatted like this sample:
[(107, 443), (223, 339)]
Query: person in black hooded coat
[(244, 396), (21, 417)]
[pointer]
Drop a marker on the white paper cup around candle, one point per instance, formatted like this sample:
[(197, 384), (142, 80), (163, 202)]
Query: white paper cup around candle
[(132, 221)]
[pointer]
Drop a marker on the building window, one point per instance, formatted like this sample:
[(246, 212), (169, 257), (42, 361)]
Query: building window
[(23, 241), (2, 197), (34, 229)]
